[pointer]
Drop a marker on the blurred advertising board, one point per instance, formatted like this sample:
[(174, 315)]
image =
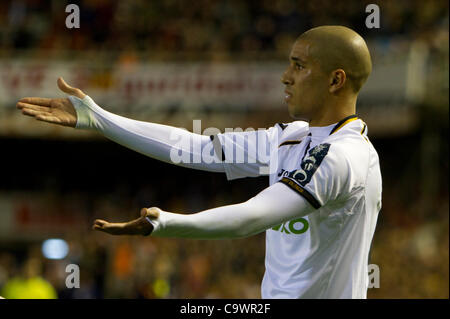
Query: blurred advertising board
[(162, 91), (26, 216)]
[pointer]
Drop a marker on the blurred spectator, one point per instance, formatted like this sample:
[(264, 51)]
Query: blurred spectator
[(202, 26), (30, 284)]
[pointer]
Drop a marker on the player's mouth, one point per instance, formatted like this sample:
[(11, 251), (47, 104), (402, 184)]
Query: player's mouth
[(287, 96)]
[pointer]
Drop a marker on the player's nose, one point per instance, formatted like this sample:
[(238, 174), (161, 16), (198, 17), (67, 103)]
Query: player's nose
[(286, 79)]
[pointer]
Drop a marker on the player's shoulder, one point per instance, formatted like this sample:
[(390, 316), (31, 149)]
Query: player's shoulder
[(350, 135), (295, 125), (350, 142), (292, 132)]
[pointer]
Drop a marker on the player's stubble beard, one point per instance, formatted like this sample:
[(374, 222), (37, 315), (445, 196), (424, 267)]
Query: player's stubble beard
[(307, 108), (298, 111)]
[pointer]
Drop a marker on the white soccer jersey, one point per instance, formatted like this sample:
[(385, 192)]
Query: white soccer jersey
[(336, 169), (321, 249)]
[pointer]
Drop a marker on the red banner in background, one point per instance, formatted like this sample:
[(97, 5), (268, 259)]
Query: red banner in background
[(34, 216), (155, 86), (176, 93)]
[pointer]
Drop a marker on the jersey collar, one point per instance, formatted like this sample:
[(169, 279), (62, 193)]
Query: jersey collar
[(322, 131), (343, 122)]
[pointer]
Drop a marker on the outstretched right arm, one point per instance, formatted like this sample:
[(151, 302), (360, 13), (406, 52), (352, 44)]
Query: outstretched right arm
[(161, 142)]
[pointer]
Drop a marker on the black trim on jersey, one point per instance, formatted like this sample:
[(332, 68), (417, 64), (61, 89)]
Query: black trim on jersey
[(289, 143), (283, 126), (218, 149), (364, 128), (341, 122), (300, 190)]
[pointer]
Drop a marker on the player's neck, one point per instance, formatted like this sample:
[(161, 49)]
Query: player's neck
[(334, 111)]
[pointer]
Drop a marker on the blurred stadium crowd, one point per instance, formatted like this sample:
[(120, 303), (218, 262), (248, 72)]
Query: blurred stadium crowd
[(411, 241), (206, 25), (410, 246)]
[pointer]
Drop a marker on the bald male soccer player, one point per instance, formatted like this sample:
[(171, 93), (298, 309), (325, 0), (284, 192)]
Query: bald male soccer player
[(321, 208)]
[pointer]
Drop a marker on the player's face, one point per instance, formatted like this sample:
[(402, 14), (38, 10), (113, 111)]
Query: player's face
[(306, 84)]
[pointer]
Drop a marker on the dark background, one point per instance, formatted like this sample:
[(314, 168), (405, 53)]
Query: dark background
[(58, 185)]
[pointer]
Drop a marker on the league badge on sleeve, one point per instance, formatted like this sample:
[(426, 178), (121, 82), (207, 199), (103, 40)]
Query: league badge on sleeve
[(310, 164)]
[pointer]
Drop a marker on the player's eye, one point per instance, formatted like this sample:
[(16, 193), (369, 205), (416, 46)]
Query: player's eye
[(298, 66)]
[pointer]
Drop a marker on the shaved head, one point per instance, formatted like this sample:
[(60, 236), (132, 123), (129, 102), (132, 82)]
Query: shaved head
[(338, 47), (328, 65)]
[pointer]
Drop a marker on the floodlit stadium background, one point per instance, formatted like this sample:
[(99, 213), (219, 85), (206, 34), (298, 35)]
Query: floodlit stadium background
[(220, 62)]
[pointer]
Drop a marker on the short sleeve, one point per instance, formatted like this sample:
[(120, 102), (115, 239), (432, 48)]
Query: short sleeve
[(246, 154), (324, 175)]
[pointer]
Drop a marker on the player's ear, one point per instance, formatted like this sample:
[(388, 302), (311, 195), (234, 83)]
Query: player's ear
[(337, 80)]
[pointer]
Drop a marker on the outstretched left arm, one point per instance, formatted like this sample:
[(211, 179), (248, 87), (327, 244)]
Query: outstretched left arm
[(274, 205)]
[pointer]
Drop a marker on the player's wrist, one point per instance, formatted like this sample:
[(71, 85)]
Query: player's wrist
[(152, 216), (136, 227), (147, 227), (85, 109), (82, 112)]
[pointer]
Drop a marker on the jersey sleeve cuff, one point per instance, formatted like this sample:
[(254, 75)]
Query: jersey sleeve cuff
[(302, 191), (159, 224), (82, 112), (85, 109), (154, 223), (217, 141)]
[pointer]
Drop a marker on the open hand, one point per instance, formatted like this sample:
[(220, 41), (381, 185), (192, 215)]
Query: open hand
[(57, 111), (139, 226)]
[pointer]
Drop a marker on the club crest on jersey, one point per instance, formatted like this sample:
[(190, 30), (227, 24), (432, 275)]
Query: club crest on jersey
[(310, 164), (320, 149)]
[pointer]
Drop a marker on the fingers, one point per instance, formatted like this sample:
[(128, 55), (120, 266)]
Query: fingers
[(48, 118), (34, 107), (40, 113), (139, 226), (99, 224), (104, 226), (63, 86), (42, 101), (31, 112), (115, 228)]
